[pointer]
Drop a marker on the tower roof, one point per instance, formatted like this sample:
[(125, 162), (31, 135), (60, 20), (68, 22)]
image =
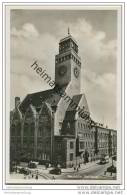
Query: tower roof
[(67, 38)]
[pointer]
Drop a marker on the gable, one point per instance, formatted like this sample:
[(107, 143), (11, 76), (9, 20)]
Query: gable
[(50, 96)]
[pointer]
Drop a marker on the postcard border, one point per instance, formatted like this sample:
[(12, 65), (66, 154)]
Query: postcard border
[(120, 4)]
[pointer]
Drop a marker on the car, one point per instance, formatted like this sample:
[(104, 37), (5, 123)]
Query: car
[(32, 165), (111, 169), (102, 161), (56, 171), (24, 171), (114, 157)]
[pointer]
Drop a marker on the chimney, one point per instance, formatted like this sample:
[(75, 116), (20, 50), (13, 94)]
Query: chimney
[(17, 101)]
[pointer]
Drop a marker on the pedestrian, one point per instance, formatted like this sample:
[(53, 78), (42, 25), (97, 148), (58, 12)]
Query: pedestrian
[(53, 177), (77, 169), (79, 165), (36, 177), (74, 168), (32, 175), (24, 176), (105, 172), (16, 169)]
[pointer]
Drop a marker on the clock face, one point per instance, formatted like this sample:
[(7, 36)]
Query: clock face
[(76, 72), (62, 70)]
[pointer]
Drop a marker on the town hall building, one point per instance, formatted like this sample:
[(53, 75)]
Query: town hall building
[(53, 127)]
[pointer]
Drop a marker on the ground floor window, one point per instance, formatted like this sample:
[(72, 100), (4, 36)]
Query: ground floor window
[(71, 156), (71, 145), (81, 145)]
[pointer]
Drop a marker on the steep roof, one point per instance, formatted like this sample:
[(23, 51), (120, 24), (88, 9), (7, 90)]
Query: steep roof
[(71, 110), (50, 96), (76, 99)]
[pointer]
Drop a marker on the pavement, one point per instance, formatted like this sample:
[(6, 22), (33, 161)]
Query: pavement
[(82, 167)]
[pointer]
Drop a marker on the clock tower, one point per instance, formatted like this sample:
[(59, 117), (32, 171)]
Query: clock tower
[(68, 64)]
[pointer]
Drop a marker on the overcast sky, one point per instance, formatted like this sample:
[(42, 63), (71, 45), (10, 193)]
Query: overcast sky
[(35, 34)]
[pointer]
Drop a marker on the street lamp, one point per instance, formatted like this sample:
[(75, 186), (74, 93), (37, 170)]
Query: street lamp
[(112, 161)]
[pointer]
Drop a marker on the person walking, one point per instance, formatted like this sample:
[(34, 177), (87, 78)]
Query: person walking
[(53, 177), (36, 177)]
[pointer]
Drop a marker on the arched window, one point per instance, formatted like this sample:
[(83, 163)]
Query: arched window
[(15, 128), (18, 129), (26, 129), (44, 125), (40, 131), (29, 122), (32, 127)]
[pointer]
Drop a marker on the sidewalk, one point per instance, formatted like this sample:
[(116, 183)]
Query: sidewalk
[(109, 176), (82, 167)]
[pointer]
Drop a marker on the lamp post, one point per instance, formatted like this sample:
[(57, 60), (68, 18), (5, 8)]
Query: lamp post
[(52, 135), (112, 161)]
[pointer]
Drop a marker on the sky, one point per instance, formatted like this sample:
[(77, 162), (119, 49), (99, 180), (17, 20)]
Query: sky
[(35, 35)]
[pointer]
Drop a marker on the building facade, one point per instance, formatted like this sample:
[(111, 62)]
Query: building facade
[(48, 126)]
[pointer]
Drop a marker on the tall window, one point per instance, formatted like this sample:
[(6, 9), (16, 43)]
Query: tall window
[(13, 130), (26, 129), (81, 145), (40, 131), (71, 156), (32, 129), (79, 125), (18, 128), (71, 145)]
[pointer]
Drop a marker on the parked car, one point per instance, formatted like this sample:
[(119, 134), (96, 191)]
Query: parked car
[(24, 171), (114, 157), (111, 169), (102, 161), (56, 171), (32, 165)]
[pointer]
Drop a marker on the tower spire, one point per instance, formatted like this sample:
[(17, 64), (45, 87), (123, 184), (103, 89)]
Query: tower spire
[(68, 31)]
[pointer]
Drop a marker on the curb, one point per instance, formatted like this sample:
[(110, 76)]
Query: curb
[(80, 169)]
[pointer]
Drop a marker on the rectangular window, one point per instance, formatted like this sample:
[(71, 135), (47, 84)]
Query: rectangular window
[(81, 145), (71, 145), (71, 156), (78, 125), (59, 145)]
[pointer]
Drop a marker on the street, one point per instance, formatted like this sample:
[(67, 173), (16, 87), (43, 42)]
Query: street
[(94, 172), (89, 171)]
